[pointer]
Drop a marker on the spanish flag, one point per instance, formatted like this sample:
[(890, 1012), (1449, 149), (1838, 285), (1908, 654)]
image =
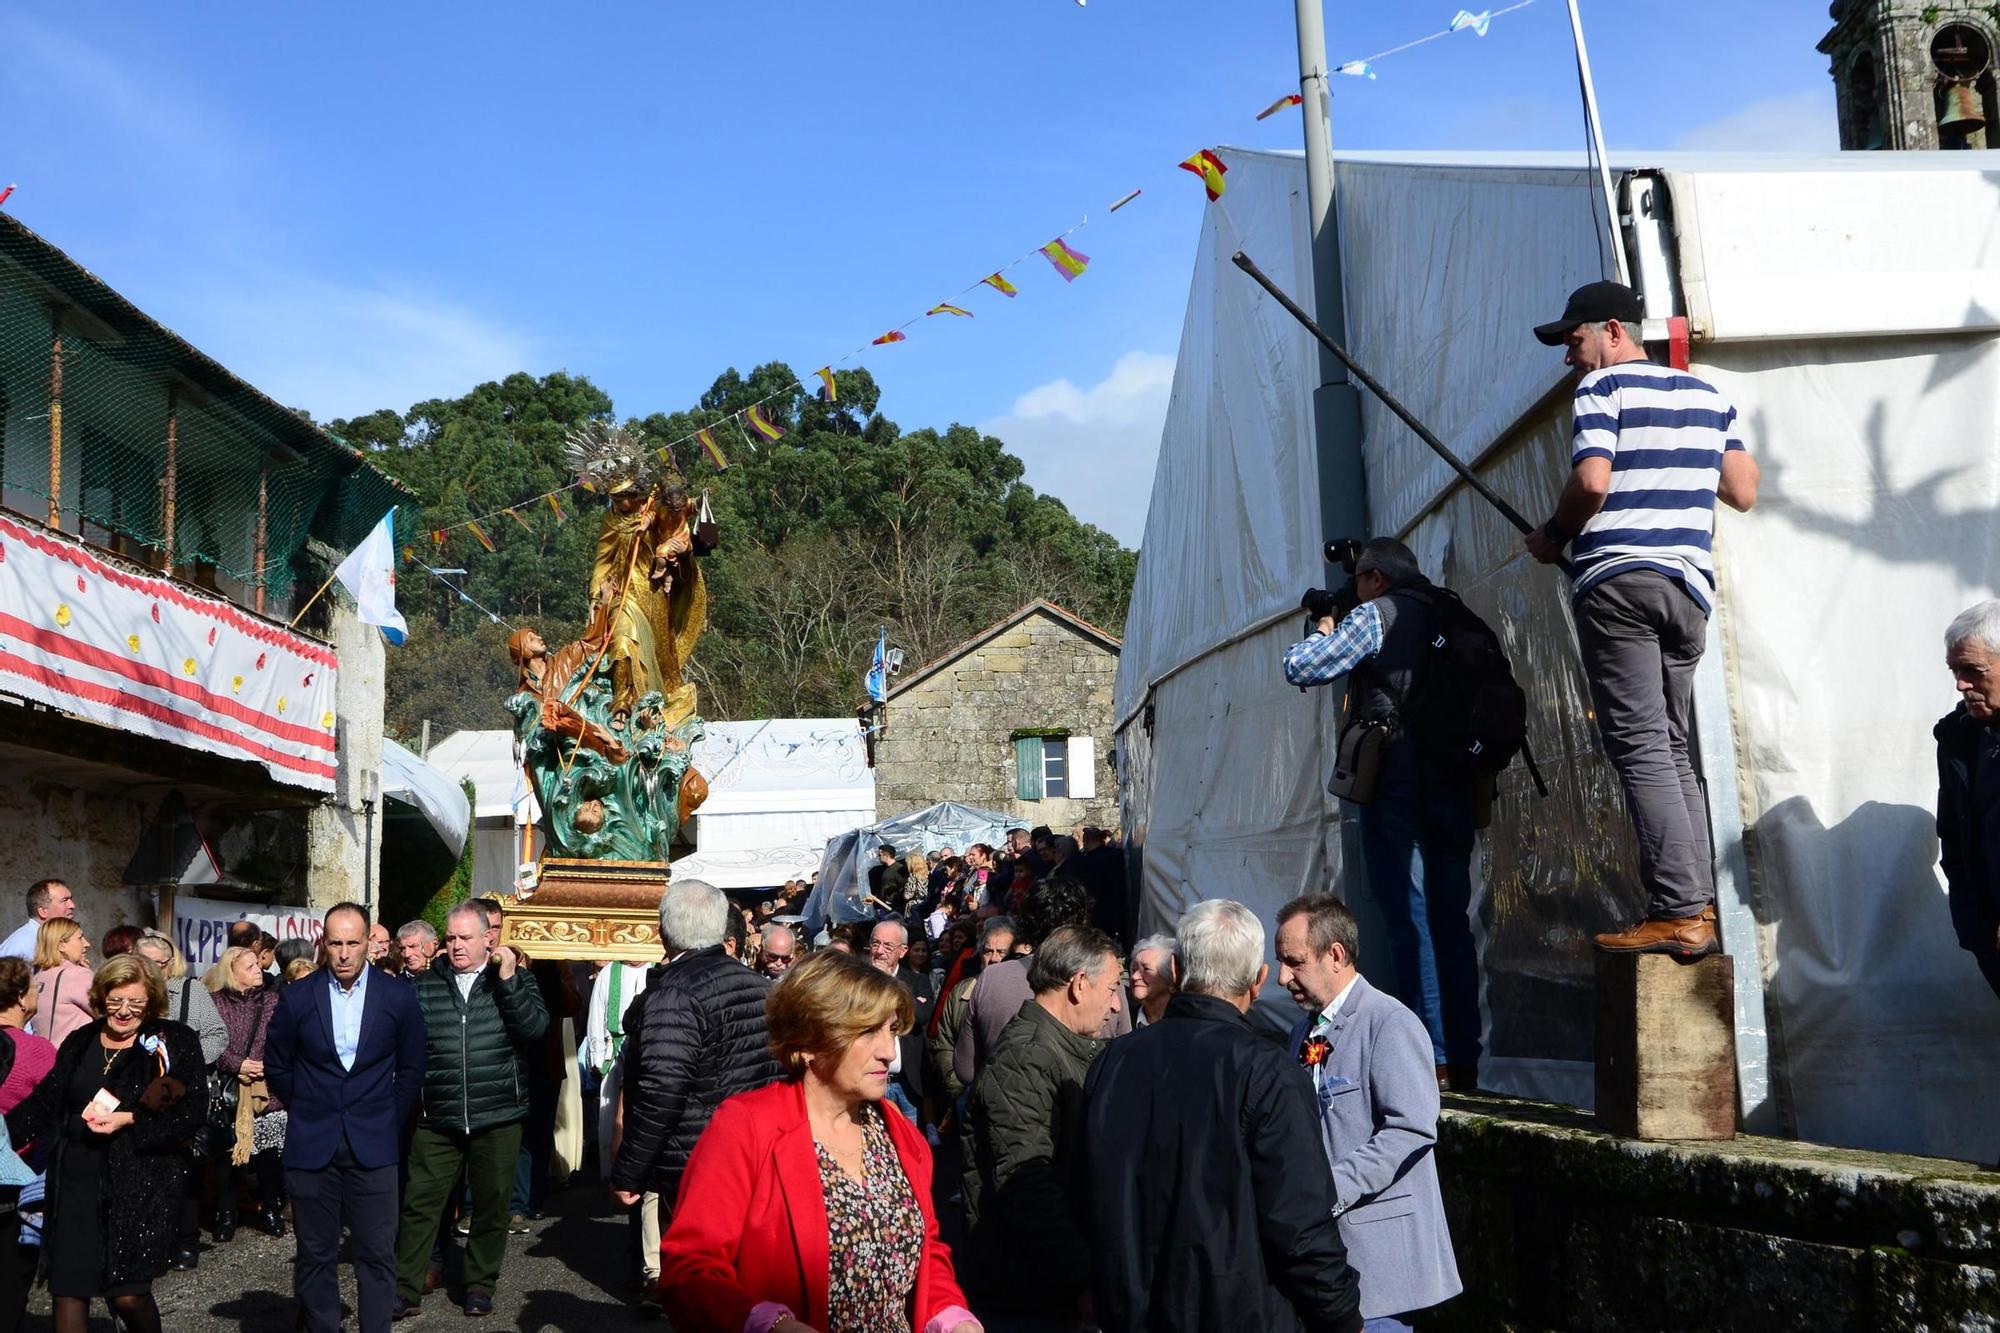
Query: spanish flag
[(1070, 263), (479, 535), (947, 308), (705, 437), (515, 514), (1209, 167), (831, 393), (437, 536), (892, 336), (555, 503), (763, 425), (1000, 284), (1289, 99)]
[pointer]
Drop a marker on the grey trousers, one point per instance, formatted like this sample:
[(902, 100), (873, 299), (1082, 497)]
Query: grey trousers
[(1642, 636)]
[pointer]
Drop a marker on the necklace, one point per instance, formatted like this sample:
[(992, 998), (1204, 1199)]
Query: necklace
[(111, 1053)]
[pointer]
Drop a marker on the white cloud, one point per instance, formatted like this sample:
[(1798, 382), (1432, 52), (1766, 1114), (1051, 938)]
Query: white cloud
[(339, 350), (1094, 447), (1801, 122)]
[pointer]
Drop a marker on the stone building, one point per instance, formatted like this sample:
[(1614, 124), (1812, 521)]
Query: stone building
[(164, 731), (1017, 719), (1913, 73)]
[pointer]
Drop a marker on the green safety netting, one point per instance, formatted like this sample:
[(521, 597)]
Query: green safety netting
[(240, 460)]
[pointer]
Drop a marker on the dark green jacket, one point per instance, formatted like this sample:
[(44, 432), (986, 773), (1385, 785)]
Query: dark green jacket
[(475, 1071), (1021, 1126)]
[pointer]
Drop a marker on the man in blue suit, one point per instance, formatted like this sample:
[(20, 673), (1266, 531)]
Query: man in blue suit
[(1376, 1087), (346, 1056)]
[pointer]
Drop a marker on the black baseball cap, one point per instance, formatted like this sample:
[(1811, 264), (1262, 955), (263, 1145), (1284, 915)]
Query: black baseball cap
[(1593, 303)]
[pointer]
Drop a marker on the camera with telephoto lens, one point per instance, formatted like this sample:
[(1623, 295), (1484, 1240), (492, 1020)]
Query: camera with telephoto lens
[(1335, 602)]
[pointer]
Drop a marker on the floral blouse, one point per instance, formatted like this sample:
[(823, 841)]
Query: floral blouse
[(876, 1233)]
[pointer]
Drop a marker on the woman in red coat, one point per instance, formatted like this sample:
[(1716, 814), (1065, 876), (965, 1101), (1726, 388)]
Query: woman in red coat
[(788, 1175)]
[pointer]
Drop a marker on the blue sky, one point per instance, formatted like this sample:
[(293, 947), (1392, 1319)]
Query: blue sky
[(362, 205)]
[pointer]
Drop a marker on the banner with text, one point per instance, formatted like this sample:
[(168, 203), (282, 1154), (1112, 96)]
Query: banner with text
[(201, 926)]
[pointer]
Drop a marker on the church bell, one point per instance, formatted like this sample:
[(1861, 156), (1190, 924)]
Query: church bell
[(1962, 111)]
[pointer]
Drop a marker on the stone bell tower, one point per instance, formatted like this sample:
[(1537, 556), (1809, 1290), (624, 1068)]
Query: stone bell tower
[(1914, 74)]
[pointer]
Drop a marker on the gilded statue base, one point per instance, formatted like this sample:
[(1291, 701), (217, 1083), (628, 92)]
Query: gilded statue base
[(589, 910)]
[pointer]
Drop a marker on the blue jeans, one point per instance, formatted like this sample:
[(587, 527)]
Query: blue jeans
[(1416, 845), (1385, 1324)]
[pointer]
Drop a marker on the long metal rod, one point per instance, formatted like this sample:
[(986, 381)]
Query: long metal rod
[(1623, 273), (1374, 386)]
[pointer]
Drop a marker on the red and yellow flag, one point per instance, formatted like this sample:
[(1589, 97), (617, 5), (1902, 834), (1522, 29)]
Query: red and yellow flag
[(555, 503), (1069, 262), (892, 336), (479, 535), (705, 437), (437, 536), (515, 514), (1209, 167), (831, 393), (763, 425), (1000, 284), (1289, 99), (947, 308)]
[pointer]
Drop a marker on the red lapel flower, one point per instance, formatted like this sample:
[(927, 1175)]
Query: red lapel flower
[(1315, 1051)]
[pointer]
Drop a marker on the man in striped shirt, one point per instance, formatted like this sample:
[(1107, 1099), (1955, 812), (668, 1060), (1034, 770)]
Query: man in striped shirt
[(1653, 449)]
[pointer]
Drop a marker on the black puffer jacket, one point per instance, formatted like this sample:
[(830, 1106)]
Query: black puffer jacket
[(1968, 827), (1022, 1125), (693, 1038), (475, 1065), (145, 1162)]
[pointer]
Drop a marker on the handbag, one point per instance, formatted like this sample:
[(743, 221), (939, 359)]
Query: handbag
[(1357, 762), (221, 1127)]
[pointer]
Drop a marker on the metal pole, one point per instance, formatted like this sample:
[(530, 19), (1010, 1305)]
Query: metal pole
[(169, 481), (55, 416), (1623, 274), (1336, 403)]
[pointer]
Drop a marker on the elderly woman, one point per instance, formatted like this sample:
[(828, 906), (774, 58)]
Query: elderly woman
[(62, 979), (188, 1002), (1152, 978), (125, 1096), (791, 1175), (256, 1134)]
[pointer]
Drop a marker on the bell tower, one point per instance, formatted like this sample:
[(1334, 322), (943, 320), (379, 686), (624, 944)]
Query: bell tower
[(1914, 73)]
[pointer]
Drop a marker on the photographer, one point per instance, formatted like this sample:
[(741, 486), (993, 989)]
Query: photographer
[(1416, 817)]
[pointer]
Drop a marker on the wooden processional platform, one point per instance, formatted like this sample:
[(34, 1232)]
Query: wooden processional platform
[(587, 910)]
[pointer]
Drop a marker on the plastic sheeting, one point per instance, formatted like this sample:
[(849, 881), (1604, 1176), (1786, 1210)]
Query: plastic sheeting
[(841, 895), (1824, 671), (778, 788), (440, 800)]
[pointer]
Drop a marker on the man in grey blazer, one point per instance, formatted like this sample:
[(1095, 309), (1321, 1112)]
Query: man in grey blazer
[(1375, 1080)]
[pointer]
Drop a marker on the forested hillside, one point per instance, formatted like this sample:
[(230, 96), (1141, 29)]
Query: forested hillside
[(846, 524)]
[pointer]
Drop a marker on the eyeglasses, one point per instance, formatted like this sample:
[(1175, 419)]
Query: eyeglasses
[(778, 959), (125, 1006)]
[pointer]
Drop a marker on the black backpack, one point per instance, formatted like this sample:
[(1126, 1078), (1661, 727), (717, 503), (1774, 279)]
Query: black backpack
[(1464, 711)]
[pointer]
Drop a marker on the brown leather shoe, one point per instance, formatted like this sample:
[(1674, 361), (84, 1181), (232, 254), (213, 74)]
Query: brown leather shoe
[(1684, 937)]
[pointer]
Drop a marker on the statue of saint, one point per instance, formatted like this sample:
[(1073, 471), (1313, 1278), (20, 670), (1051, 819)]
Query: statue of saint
[(650, 584)]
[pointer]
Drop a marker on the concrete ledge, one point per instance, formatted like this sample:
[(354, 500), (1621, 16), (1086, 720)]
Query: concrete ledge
[(1561, 1226)]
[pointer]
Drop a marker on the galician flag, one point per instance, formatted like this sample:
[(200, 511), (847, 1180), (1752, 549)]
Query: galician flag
[(878, 670), (369, 572)]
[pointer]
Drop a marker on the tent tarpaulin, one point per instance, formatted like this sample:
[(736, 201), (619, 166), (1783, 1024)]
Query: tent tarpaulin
[(842, 892), (436, 796), (778, 788), (1867, 373)]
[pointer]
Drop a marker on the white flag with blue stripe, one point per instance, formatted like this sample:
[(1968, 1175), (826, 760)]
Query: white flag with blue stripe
[(369, 573), (878, 670)]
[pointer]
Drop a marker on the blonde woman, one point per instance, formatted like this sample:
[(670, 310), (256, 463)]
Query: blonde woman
[(62, 980), (246, 1005), (790, 1176)]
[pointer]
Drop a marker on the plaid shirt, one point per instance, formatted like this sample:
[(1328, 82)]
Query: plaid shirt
[(1324, 658)]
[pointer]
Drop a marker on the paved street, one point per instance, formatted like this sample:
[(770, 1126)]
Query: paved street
[(569, 1272)]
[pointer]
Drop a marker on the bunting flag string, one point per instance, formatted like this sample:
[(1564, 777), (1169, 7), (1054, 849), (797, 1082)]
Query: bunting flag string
[(1208, 166), (1069, 263), (6, 192)]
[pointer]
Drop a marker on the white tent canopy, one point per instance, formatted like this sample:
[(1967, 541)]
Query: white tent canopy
[(1849, 307), (778, 788), (410, 780)]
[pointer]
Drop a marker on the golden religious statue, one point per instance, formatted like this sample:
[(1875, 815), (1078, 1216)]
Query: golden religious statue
[(650, 586)]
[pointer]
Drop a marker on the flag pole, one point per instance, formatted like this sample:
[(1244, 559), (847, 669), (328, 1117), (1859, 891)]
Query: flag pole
[(314, 598)]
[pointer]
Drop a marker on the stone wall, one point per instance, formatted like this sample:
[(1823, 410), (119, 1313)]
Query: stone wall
[(950, 737), (84, 838), (1560, 1226), (339, 838)]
